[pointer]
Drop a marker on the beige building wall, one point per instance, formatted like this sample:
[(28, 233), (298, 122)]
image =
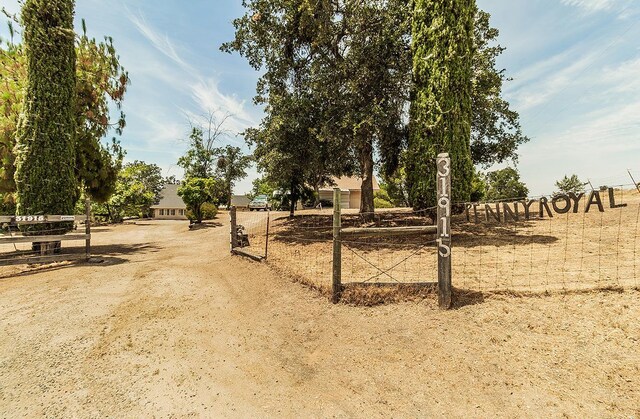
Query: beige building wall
[(170, 213), (345, 202), (354, 199)]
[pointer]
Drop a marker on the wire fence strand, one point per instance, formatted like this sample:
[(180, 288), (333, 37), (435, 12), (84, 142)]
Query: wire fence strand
[(569, 251)]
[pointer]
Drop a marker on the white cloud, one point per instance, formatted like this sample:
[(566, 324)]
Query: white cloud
[(624, 77), (549, 78), (612, 129), (592, 5), (204, 90), (207, 95), (623, 8), (160, 41)]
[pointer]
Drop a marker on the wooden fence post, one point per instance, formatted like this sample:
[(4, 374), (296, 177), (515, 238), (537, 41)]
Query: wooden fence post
[(266, 243), (337, 248), (637, 185), (234, 228), (444, 230), (87, 227)]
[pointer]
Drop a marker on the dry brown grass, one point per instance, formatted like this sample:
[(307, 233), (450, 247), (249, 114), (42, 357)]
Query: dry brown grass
[(565, 253)]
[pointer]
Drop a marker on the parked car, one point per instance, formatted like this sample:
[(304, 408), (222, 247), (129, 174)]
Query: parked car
[(260, 202)]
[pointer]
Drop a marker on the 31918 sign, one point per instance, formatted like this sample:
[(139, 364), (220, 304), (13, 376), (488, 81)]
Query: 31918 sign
[(444, 230), (29, 218)]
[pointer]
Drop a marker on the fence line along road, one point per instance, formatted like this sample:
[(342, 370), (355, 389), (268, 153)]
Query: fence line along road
[(43, 245)]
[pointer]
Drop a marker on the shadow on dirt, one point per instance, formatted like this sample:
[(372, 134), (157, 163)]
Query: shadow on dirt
[(106, 250), (205, 225), (463, 298), (102, 255), (309, 229)]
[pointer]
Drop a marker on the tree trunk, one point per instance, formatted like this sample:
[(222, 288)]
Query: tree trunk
[(366, 168), (109, 213), (294, 200), (316, 191)]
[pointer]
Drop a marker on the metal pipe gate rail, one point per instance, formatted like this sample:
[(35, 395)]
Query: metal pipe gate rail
[(442, 229)]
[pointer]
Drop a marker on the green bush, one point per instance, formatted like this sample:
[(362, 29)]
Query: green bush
[(381, 203), (381, 200), (209, 211)]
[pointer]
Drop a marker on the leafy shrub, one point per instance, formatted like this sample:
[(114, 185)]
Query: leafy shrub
[(381, 200), (381, 203), (209, 211)]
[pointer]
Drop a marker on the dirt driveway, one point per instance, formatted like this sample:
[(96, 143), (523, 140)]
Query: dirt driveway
[(171, 325)]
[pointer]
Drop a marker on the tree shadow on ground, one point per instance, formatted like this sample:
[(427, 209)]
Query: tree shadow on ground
[(205, 225), (379, 293), (105, 250), (463, 298), (520, 233), (309, 229), (102, 255)]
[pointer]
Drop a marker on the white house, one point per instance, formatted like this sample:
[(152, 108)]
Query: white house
[(350, 191), (171, 206)]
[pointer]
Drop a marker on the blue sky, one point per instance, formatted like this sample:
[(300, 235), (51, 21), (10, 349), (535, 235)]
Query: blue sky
[(575, 66)]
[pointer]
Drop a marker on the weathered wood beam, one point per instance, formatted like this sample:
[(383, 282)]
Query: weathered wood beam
[(43, 239), (389, 231)]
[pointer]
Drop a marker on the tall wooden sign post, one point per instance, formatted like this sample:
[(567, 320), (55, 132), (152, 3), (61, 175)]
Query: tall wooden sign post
[(336, 287), (444, 230)]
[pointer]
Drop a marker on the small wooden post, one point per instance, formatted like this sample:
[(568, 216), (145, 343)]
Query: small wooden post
[(234, 228), (337, 248), (444, 230), (266, 243), (87, 227), (637, 185)]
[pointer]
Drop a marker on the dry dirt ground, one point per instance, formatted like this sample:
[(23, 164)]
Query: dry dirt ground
[(171, 325)]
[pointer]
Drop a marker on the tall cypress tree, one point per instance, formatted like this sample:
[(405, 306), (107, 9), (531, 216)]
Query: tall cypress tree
[(440, 113), (45, 155)]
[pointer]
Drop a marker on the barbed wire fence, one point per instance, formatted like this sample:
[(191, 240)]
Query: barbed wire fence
[(566, 252), (572, 251)]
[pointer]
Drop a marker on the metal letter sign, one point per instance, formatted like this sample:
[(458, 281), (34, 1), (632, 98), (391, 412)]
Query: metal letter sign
[(444, 230)]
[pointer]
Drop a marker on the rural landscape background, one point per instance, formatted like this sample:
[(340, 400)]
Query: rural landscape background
[(327, 208)]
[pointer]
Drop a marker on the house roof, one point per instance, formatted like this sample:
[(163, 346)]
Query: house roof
[(169, 198), (240, 200), (349, 183)]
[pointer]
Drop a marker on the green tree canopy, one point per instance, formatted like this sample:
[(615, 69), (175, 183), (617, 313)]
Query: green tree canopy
[(46, 137), (137, 188), (197, 191), (441, 113), (334, 78), (335, 83), (232, 167), (570, 184), (495, 129), (200, 158), (505, 184), (101, 84)]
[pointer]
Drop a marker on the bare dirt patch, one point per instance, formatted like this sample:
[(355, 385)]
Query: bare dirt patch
[(171, 325)]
